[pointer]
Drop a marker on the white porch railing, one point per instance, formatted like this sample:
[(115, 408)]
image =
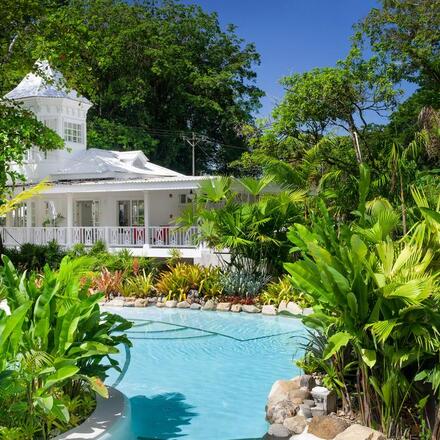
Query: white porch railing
[(172, 237), (133, 236)]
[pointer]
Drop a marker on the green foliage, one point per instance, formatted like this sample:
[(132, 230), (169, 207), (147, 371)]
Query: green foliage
[(282, 290), (35, 257), (375, 300), (141, 285), (247, 219), (55, 348), (153, 71), (181, 278)]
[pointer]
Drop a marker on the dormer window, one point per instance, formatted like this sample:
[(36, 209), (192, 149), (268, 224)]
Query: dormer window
[(73, 132)]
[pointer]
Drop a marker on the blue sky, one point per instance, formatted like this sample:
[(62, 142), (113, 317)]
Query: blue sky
[(291, 35)]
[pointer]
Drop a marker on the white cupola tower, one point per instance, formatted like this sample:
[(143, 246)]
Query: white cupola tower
[(63, 110)]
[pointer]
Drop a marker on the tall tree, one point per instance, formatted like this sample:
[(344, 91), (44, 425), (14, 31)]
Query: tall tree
[(157, 69)]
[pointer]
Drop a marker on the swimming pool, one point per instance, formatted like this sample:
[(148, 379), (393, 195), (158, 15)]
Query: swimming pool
[(203, 375)]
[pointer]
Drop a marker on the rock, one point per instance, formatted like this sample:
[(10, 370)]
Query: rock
[(195, 306), (117, 302), (278, 430), (295, 425), (269, 310), (359, 432), (280, 411), (209, 305), (305, 410), (281, 388), (307, 311), (160, 304), (299, 394), (327, 427), (294, 308), (282, 306), (250, 308), (223, 307), (307, 381), (141, 302), (152, 299), (183, 305), (171, 304), (236, 308)]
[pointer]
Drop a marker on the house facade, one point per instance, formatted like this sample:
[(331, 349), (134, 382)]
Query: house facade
[(119, 197)]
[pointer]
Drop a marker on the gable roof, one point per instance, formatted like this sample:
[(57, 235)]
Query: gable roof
[(105, 164), (51, 84)]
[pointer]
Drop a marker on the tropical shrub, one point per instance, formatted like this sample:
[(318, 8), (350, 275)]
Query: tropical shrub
[(55, 349), (109, 283), (181, 278), (141, 285), (34, 256), (243, 216), (283, 290), (376, 305)]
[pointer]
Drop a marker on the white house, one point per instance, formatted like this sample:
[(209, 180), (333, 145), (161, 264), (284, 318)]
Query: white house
[(118, 197)]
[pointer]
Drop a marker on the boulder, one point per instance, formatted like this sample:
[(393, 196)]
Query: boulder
[(195, 306), (183, 305), (171, 304), (301, 394), (327, 427), (282, 307), (152, 299), (269, 309), (280, 411), (160, 304), (209, 305), (277, 430), (296, 424), (307, 381), (359, 432), (281, 388), (141, 302), (250, 308), (116, 302), (129, 302), (223, 307), (294, 308), (307, 311), (236, 308)]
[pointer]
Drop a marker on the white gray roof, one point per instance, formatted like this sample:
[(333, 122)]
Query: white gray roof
[(45, 82), (105, 164)]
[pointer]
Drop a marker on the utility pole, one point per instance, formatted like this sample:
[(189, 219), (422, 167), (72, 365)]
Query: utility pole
[(193, 141)]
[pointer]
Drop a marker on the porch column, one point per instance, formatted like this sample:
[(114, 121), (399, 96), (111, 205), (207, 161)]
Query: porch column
[(29, 234), (147, 217), (69, 235)]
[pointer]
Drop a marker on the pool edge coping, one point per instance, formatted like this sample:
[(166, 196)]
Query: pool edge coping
[(111, 417)]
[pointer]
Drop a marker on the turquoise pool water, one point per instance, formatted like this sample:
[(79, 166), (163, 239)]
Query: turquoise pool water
[(203, 375)]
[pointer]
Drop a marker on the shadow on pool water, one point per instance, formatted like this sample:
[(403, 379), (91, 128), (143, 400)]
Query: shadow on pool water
[(161, 416)]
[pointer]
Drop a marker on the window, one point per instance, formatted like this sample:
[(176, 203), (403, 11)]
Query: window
[(185, 198), (73, 132), (131, 212), (50, 123)]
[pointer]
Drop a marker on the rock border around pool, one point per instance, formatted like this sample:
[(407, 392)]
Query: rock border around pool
[(298, 409), (111, 420), (287, 308)]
